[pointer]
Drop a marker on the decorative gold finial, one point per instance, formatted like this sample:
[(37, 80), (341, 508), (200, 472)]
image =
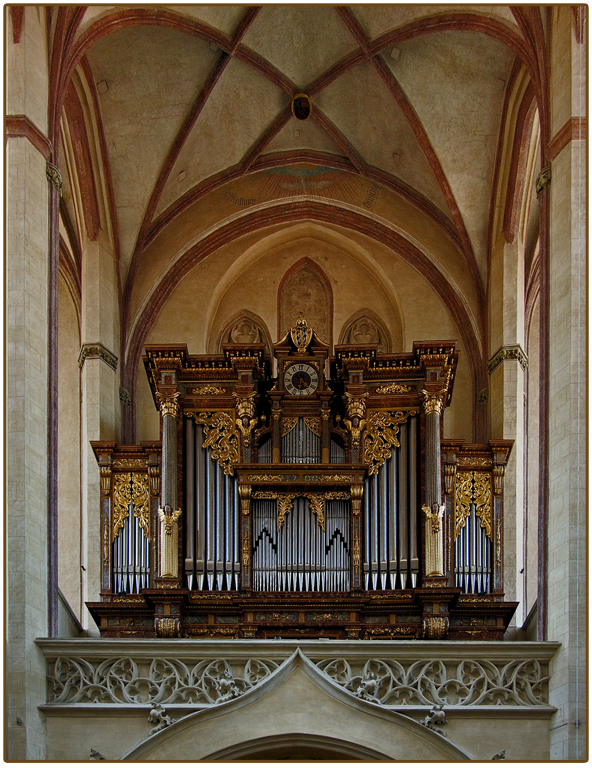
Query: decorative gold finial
[(301, 334)]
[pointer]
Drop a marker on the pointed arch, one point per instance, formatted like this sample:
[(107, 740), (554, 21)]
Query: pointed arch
[(306, 288)]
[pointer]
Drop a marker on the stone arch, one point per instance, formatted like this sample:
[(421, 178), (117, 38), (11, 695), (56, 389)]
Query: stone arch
[(305, 288), (366, 327), (287, 704), (244, 327)]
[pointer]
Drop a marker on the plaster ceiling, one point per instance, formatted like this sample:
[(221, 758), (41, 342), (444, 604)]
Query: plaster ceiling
[(410, 97)]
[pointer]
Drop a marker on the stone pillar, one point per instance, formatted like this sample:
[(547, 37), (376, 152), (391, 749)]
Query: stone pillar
[(28, 361), (507, 367), (168, 512), (567, 535), (433, 508)]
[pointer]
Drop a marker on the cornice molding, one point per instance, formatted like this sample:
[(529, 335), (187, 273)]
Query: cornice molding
[(20, 126)]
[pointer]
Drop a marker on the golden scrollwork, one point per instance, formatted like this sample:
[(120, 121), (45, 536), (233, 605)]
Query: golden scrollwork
[(221, 437), (472, 487), (381, 436), (314, 424), (394, 389), (433, 401), (131, 463), (106, 543), (169, 404), (288, 424), (498, 543), (475, 461), (208, 389), (482, 500), (317, 503), (130, 488)]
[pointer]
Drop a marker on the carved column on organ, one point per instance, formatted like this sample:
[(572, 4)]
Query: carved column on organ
[(433, 508), (168, 512)]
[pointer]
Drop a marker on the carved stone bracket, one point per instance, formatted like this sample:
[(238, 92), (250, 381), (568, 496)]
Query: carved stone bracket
[(510, 352), (97, 351), (54, 176)]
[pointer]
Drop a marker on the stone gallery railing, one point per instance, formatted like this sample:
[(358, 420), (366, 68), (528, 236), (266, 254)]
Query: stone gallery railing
[(396, 676)]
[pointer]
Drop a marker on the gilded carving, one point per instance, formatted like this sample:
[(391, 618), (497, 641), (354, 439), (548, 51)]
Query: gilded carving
[(499, 472), (472, 487), (449, 473), (169, 404), (285, 503), (356, 410), (167, 627), (356, 550), (314, 424), (131, 463), (433, 401), (475, 461), (245, 406), (208, 389), (244, 491), (301, 334), (434, 541), (329, 478), (434, 627), (482, 499), (288, 424), (245, 549), (169, 537), (221, 437), (381, 436), (130, 488), (394, 389), (498, 544), (105, 473)]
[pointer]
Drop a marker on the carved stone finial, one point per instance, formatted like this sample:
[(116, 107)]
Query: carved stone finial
[(436, 718), (159, 716)]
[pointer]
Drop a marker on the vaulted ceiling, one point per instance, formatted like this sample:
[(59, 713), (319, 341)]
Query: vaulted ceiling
[(191, 100)]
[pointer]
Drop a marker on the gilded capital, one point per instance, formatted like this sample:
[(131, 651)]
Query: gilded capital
[(169, 404), (433, 401)]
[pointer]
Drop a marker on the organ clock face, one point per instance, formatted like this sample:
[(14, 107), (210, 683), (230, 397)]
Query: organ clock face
[(301, 379)]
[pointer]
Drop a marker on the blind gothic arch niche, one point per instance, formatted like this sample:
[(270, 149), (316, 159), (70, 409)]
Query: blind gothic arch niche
[(306, 289)]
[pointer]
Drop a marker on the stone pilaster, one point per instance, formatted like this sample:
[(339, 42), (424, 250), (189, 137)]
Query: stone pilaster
[(567, 535), (27, 360)]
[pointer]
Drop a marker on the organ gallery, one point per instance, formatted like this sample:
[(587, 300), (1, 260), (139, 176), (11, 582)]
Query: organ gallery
[(300, 493)]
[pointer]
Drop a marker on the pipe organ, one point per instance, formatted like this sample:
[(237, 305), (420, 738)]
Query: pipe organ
[(320, 502)]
